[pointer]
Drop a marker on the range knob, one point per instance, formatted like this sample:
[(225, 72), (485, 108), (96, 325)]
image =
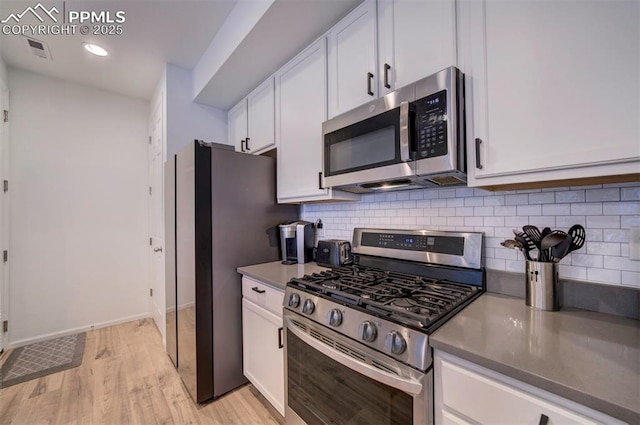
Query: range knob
[(335, 317), (308, 306), (395, 343), (368, 331), (294, 300)]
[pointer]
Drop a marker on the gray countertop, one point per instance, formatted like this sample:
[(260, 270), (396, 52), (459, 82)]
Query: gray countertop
[(277, 274), (590, 358)]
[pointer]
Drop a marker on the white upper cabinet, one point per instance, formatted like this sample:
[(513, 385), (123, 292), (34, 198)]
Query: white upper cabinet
[(261, 104), (251, 123), (301, 107), (416, 39), (237, 125), (353, 59), (376, 50), (553, 89)]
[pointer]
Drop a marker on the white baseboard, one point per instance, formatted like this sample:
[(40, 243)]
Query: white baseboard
[(25, 341)]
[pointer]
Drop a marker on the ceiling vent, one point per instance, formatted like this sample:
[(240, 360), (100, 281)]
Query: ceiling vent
[(37, 48)]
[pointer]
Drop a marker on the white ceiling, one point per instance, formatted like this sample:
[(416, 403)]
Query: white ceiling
[(155, 32)]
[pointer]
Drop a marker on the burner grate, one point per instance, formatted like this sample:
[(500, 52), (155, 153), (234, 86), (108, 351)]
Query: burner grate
[(415, 300)]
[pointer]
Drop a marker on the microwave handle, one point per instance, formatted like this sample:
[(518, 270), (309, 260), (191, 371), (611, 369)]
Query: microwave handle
[(405, 153), (406, 385)]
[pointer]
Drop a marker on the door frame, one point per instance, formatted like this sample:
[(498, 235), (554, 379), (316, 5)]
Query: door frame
[(156, 301), (4, 218)]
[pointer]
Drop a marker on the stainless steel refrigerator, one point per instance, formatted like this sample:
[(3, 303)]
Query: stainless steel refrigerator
[(220, 214)]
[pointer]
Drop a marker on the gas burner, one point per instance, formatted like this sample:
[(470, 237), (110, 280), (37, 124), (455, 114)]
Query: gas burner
[(406, 304), (331, 284)]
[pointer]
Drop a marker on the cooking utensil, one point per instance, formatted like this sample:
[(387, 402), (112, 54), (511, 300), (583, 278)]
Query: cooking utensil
[(561, 249), (511, 244), (527, 245), (549, 241), (578, 237), (534, 234), (545, 232)]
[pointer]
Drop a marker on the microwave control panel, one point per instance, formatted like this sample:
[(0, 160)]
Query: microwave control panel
[(431, 125)]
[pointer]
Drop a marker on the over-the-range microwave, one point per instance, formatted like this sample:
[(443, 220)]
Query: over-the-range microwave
[(411, 138)]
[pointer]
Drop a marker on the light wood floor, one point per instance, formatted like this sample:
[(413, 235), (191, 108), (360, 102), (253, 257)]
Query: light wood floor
[(125, 378)]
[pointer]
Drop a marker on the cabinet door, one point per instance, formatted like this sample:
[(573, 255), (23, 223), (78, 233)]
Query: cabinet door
[(237, 123), (261, 134), (554, 86), (417, 39), (263, 357), (301, 107), (353, 59)]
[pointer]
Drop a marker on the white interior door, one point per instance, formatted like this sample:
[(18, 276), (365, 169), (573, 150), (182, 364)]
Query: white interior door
[(4, 217), (156, 221)]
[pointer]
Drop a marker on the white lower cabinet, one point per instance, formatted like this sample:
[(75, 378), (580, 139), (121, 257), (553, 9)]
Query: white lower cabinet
[(262, 338), (465, 393)]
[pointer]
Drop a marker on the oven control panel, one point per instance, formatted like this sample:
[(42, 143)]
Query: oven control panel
[(452, 245)]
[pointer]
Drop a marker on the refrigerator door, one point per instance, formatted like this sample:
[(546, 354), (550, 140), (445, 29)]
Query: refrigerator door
[(185, 267), (170, 258), (245, 231)]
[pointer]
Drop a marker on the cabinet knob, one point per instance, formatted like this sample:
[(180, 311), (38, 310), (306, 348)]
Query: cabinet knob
[(369, 81), (246, 144), (544, 419), (478, 163)]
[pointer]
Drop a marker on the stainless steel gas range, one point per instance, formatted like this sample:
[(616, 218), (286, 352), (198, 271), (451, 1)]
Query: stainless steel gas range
[(357, 337)]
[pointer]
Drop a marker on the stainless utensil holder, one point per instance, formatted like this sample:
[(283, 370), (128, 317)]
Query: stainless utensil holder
[(542, 285)]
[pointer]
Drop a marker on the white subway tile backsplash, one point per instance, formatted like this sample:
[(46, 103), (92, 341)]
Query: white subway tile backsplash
[(473, 202), (620, 263), (521, 199), (556, 209), (587, 209), (595, 195), (570, 196), (542, 198), (603, 248), (492, 201), (529, 210), (631, 279), (483, 211), (604, 221), (604, 275), (572, 272), (630, 194), (587, 260), (606, 211), (621, 208), (455, 202)]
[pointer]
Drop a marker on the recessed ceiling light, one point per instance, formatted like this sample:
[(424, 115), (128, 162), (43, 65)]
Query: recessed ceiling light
[(95, 49)]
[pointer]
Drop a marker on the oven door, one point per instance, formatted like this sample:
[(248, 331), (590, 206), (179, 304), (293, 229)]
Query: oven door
[(370, 144), (331, 379)]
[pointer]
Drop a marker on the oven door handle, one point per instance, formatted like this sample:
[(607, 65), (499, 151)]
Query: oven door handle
[(397, 382), (405, 152)]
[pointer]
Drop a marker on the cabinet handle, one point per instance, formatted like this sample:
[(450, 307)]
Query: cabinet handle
[(280, 343), (387, 67), (259, 291), (369, 79), (320, 180), (544, 419), (478, 164), (242, 142), (246, 143)]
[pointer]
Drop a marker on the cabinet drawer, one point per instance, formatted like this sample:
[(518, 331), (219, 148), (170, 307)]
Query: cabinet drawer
[(490, 402), (263, 295)]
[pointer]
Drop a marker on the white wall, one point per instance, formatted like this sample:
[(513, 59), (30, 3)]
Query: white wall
[(606, 211), (78, 208), (187, 120)]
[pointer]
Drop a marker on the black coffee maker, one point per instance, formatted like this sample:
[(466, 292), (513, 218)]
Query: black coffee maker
[(296, 241)]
